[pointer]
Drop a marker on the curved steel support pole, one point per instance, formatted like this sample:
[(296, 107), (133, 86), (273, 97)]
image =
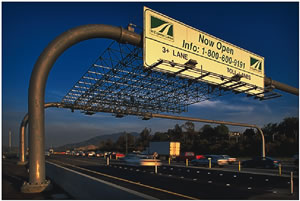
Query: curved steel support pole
[(281, 86), (263, 141), (37, 85), (214, 122), (22, 134), (22, 141)]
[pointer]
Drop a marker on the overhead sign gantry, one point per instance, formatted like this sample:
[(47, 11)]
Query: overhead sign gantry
[(174, 47), (105, 88)]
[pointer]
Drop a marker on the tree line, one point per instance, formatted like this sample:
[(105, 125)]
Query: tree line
[(281, 139)]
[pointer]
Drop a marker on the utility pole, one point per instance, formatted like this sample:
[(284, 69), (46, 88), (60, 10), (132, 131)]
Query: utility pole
[(126, 137), (9, 141)]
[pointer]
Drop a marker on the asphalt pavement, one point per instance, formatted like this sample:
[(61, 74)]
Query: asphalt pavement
[(199, 183), (14, 175)]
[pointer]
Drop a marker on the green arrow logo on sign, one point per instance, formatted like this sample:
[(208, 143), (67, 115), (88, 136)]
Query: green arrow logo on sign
[(161, 28), (255, 63)]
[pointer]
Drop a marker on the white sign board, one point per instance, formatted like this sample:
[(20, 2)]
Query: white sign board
[(168, 39)]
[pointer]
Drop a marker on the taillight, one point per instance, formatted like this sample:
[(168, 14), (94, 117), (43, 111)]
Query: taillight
[(275, 161)]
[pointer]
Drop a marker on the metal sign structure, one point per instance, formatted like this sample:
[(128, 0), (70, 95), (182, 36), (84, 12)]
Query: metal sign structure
[(196, 55), (106, 86), (117, 82)]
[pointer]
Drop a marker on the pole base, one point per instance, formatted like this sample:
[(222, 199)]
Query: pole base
[(22, 162), (36, 188)]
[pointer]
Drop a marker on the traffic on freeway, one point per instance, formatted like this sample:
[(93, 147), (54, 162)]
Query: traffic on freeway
[(181, 181)]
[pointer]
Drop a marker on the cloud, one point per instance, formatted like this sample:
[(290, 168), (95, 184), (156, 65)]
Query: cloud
[(224, 106), (208, 103)]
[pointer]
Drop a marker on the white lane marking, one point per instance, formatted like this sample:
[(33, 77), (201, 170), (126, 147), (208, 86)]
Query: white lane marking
[(108, 183)]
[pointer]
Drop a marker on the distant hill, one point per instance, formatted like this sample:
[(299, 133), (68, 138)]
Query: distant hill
[(93, 141)]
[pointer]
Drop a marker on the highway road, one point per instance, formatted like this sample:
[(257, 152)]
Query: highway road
[(176, 181), (286, 169)]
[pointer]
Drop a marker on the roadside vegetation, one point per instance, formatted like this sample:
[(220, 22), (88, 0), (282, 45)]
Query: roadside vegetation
[(282, 139)]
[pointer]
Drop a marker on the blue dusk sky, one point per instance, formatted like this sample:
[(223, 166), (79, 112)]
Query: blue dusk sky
[(267, 29)]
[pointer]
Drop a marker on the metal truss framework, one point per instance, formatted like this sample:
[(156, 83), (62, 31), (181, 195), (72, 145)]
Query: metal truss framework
[(117, 82)]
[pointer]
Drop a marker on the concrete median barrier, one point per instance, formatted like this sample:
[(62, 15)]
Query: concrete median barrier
[(85, 187)]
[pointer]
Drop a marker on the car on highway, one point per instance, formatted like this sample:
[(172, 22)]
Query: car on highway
[(230, 160), (185, 155), (91, 154), (117, 155), (140, 160), (81, 153), (215, 161), (198, 156), (99, 154), (261, 162)]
